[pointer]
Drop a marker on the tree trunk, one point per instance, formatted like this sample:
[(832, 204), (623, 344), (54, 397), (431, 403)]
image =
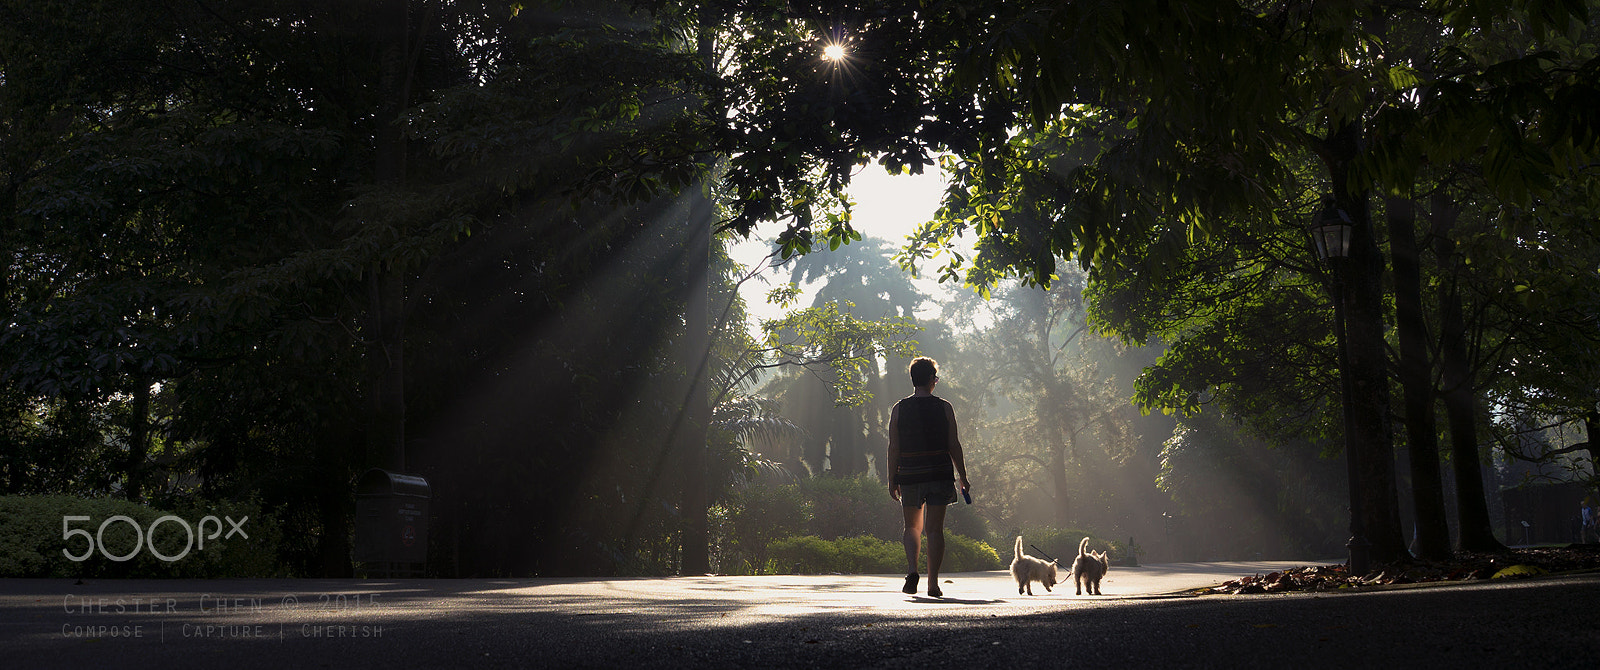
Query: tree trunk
[(334, 502), (1368, 402), (697, 409), (1591, 424), (1472, 508), (1416, 382), (138, 441), (696, 498), (814, 449), (386, 423), (871, 419), (1058, 478)]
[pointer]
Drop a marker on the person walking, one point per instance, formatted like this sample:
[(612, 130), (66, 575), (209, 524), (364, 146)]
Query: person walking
[(925, 465)]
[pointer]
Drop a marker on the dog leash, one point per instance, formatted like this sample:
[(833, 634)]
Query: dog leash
[(1041, 552)]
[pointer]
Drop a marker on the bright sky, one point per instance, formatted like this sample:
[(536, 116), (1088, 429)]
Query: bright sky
[(888, 207)]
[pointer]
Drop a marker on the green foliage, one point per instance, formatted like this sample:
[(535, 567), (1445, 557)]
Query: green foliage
[(799, 126), (806, 554), (848, 507), (753, 517), (242, 204), (844, 347), (859, 281), (32, 540), (578, 112), (967, 520), (1148, 124), (1243, 331), (865, 554), (828, 524), (56, 446), (756, 514), (964, 554)]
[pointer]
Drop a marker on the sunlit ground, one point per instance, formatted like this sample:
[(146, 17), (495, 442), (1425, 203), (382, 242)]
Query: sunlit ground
[(687, 602)]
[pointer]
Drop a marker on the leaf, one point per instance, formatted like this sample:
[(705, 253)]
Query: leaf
[(1402, 77), (1519, 572)]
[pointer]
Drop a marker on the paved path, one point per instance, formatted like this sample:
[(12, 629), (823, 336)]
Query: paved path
[(786, 621)]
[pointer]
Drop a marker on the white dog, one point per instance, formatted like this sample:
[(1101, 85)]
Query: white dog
[(1089, 567), (1027, 570)]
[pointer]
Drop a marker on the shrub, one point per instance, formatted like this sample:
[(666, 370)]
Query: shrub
[(867, 555), (852, 525), (851, 507), (960, 518), (32, 540), (803, 555), (964, 554), (750, 520), (861, 506)]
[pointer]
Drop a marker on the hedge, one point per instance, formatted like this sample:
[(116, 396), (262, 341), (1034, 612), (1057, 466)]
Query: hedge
[(34, 534), (865, 554)]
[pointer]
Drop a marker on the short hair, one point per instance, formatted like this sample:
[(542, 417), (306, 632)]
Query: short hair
[(923, 370)]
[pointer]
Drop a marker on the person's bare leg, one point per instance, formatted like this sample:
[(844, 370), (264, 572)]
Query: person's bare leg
[(933, 523), (912, 539)]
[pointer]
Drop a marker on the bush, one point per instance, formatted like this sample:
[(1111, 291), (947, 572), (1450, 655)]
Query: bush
[(753, 517), (32, 540), (851, 507), (964, 554), (803, 555), (960, 518), (861, 506), (867, 555), (831, 525)]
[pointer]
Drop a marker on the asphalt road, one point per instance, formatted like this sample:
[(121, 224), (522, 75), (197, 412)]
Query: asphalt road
[(793, 621)]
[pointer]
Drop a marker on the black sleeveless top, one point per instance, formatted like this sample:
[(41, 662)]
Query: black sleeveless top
[(924, 441)]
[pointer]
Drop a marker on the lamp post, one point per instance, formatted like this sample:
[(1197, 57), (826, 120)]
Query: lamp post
[(1166, 522), (1330, 233)]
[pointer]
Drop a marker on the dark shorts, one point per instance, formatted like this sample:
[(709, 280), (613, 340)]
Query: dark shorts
[(932, 493)]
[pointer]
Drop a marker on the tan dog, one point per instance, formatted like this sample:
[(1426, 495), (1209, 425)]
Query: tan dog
[(1089, 567), (1027, 570)]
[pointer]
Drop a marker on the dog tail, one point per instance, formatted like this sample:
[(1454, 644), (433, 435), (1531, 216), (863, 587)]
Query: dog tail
[(1017, 553), (1083, 547)]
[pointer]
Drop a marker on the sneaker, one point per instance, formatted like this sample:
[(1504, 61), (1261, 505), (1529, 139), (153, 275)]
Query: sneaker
[(911, 584), (933, 589)]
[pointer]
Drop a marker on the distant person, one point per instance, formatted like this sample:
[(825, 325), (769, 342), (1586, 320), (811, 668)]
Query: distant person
[(1591, 525), (925, 466)]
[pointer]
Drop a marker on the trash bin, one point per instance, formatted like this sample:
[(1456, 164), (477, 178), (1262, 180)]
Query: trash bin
[(391, 524)]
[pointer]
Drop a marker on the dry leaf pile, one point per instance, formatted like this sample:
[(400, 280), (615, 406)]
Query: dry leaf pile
[(1464, 566)]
